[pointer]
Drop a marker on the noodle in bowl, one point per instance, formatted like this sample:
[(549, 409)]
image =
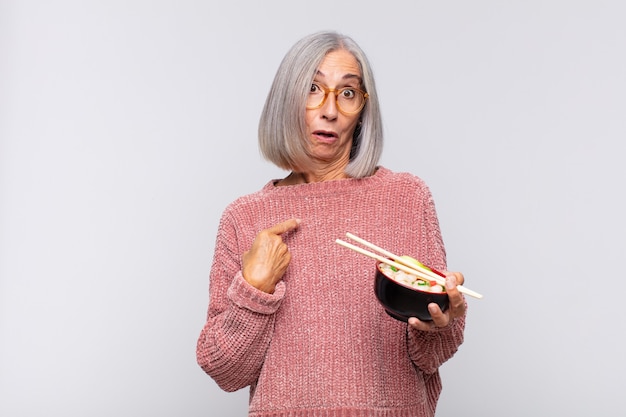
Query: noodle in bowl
[(403, 295)]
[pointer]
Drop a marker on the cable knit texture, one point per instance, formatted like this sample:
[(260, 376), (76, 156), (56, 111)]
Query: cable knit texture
[(321, 345)]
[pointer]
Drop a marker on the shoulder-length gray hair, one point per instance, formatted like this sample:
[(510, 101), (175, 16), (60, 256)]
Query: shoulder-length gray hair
[(282, 127)]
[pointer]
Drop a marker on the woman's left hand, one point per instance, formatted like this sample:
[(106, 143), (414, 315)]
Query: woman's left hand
[(456, 307)]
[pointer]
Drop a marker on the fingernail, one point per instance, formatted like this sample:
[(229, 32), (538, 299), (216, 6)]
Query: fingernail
[(450, 282)]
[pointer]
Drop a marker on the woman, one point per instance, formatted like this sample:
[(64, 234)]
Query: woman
[(292, 314)]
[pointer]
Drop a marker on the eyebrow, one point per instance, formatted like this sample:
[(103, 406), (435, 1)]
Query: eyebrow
[(345, 77)]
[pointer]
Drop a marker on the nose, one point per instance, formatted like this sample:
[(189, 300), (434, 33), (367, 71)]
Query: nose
[(329, 109)]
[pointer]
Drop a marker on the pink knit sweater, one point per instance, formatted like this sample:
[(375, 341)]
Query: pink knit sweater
[(321, 344)]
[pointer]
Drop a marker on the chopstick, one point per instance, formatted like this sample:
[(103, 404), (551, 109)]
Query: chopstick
[(433, 273), (398, 265), (401, 264)]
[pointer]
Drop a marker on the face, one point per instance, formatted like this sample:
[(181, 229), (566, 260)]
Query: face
[(330, 131)]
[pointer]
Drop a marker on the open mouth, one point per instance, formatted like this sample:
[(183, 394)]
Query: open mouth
[(325, 134)]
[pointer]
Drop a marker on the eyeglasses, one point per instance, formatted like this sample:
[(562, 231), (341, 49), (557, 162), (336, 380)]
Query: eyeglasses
[(349, 100)]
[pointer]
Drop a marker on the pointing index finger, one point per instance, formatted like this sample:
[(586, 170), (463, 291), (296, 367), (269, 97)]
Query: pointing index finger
[(285, 226)]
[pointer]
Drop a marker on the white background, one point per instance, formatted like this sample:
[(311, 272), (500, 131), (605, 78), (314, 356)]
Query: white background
[(127, 126)]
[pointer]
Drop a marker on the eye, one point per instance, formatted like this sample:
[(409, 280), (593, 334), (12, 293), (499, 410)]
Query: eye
[(315, 89), (348, 93)]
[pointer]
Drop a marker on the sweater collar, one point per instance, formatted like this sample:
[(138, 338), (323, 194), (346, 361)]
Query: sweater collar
[(325, 187)]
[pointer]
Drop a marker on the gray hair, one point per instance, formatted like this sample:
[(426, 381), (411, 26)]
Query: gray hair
[(282, 127)]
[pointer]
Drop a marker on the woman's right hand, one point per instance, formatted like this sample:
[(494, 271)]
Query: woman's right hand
[(265, 263)]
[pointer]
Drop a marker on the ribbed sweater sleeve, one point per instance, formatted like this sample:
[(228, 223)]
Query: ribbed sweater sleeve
[(429, 350), (233, 342)]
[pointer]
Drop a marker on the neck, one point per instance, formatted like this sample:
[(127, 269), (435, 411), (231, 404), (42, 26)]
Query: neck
[(318, 171), (309, 177)]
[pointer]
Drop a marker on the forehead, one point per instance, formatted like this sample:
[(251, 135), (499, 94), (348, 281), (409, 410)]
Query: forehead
[(339, 64)]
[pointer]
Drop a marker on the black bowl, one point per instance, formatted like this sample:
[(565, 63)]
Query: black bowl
[(402, 301)]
